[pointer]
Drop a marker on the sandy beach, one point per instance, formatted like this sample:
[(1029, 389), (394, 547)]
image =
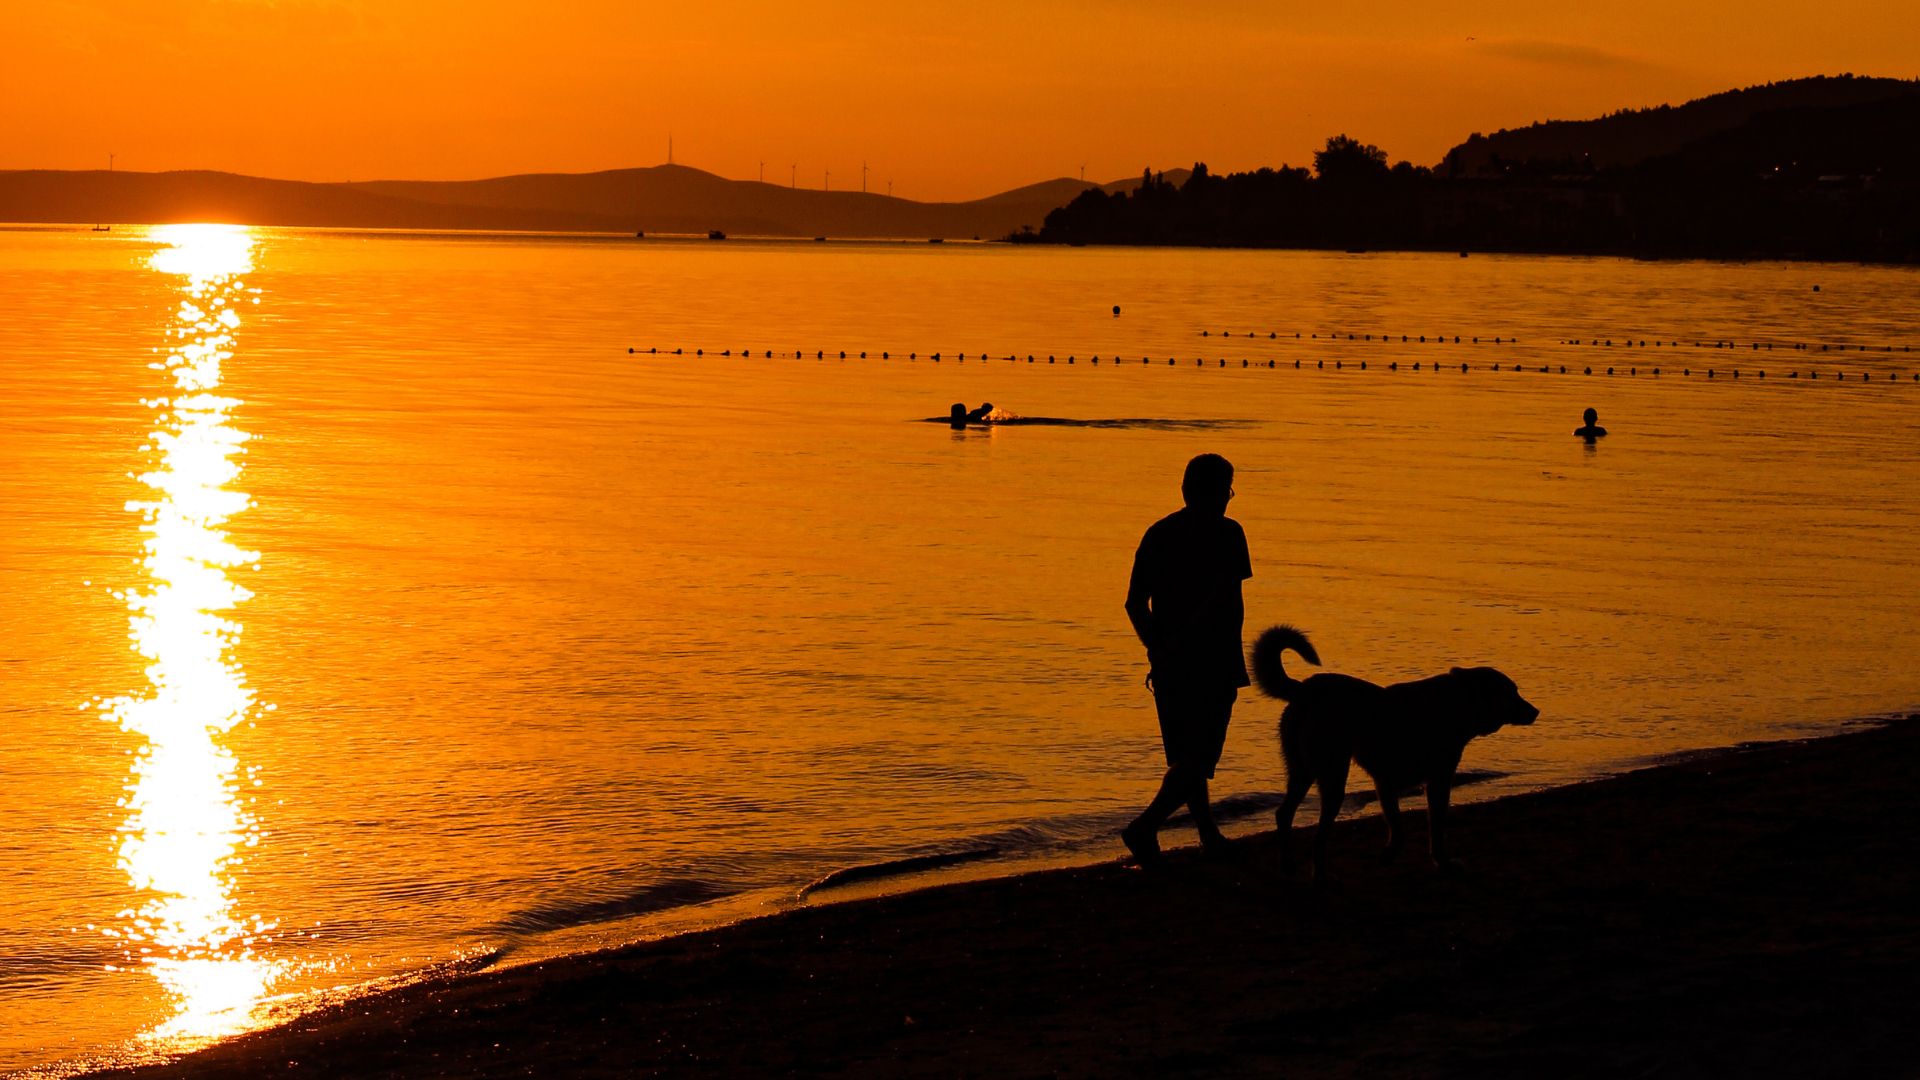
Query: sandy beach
[(1752, 911)]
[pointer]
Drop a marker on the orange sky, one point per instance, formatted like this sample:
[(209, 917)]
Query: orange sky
[(946, 100)]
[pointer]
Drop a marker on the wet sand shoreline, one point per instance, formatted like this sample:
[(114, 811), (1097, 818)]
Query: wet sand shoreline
[(1756, 910)]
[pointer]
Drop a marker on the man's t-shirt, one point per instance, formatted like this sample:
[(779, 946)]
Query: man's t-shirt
[(1190, 566)]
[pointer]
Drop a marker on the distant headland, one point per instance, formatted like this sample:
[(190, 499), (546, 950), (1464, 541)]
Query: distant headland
[(1825, 167)]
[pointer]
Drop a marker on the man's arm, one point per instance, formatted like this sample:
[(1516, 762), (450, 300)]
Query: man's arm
[(1141, 616), (1139, 600)]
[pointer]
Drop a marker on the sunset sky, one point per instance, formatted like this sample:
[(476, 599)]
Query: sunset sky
[(947, 101)]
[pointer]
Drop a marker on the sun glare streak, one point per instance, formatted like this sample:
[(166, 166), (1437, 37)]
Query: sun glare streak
[(186, 827)]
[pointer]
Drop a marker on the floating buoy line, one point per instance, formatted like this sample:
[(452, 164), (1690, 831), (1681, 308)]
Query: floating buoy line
[(1620, 343), (1340, 364)]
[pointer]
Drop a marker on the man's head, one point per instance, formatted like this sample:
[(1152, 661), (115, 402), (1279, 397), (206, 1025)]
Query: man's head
[(1590, 416), (1208, 483)]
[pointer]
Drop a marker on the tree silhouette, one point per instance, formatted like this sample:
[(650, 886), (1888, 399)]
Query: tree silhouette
[(1347, 161)]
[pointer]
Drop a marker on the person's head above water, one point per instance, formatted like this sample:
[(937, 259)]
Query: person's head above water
[(1208, 484), (1590, 416)]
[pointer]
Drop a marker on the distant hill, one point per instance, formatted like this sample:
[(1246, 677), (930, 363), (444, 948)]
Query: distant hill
[(664, 198), (1632, 136)]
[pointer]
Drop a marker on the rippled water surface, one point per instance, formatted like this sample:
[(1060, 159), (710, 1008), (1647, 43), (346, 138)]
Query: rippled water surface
[(505, 639)]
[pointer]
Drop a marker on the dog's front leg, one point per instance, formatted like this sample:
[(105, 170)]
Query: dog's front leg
[(1439, 795), (1390, 809)]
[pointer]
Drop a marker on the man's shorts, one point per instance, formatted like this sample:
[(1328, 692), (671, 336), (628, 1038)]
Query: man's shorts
[(1193, 723)]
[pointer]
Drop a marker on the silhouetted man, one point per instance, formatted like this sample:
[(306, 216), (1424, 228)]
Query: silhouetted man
[(1184, 600)]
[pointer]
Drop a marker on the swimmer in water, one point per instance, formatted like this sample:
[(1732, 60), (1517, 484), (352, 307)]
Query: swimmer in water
[(957, 416), (1592, 430), (979, 415)]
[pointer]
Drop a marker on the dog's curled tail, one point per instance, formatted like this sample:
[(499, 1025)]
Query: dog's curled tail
[(1268, 671)]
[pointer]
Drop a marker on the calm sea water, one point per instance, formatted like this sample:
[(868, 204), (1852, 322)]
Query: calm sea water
[(517, 642)]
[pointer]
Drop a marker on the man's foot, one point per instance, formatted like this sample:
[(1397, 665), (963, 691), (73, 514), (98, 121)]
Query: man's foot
[(1143, 842)]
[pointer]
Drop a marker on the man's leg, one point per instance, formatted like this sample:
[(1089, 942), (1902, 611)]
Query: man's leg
[(1142, 836), (1211, 714), (1198, 805)]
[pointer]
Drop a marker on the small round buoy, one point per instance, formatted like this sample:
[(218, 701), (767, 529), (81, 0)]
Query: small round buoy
[(629, 350), (1816, 288), (1116, 311)]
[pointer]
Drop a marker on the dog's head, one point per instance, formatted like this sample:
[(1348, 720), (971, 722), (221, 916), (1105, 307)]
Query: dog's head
[(1489, 701)]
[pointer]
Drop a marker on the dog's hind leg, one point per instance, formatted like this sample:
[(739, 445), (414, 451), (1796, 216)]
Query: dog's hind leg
[(1332, 783), (1299, 781)]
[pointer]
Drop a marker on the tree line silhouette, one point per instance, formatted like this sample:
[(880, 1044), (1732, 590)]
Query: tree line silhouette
[(1837, 182)]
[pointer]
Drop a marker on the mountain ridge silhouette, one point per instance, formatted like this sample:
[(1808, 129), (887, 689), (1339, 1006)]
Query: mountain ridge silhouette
[(652, 199)]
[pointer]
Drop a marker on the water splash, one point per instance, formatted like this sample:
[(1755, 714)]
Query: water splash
[(186, 825)]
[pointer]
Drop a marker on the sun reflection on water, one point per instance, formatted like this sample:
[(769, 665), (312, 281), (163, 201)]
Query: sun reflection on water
[(186, 825)]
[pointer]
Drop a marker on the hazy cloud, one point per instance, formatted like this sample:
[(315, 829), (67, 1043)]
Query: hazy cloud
[(1563, 54)]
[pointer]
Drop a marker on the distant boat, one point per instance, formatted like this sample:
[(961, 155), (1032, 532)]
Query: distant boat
[(639, 234), (936, 240), (716, 234), (819, 239)]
